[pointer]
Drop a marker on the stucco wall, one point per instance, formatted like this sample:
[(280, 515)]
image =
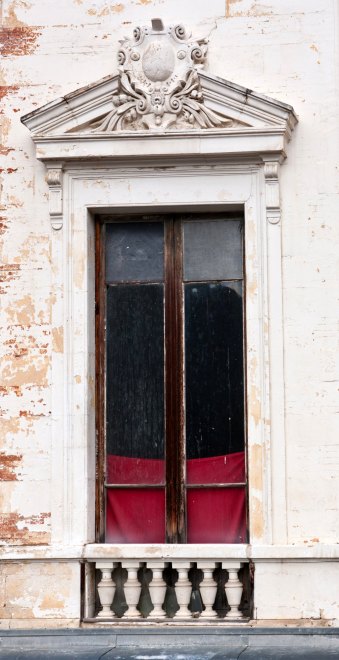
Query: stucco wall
[(281, 48)]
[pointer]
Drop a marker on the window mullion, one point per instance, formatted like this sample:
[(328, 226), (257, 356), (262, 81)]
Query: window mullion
[(174, 385)]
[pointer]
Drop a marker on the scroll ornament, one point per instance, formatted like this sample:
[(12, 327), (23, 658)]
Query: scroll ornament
[(159, 86)]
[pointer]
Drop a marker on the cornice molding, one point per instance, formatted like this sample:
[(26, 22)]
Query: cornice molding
[(235, 143)]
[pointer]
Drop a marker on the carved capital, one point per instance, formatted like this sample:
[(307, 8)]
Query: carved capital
[(54, 179), (271, 170)]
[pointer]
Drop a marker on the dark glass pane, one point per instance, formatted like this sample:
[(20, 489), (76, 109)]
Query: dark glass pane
[(134, 252), (135, 516), (213, 250), (135, 379), (214, 370), (228, 522)]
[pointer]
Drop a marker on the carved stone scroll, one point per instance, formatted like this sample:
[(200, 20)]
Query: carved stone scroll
[(159, 83), (54, 181)]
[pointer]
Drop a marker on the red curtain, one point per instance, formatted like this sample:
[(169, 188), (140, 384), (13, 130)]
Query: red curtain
[(214, 515)]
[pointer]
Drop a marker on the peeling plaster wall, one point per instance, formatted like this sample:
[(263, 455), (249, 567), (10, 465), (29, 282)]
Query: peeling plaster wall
[(40, 590), (293, 591), (281, 48)]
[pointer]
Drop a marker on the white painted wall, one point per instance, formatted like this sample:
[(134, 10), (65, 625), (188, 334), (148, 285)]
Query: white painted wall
[(281, 48)]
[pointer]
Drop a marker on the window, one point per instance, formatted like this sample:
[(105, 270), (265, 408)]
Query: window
[(170, 414)]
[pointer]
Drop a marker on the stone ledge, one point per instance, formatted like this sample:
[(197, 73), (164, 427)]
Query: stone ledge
[(312, 551), (226, 644)]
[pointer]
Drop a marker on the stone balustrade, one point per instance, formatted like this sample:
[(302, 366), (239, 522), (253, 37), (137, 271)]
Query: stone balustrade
[(179, 589)]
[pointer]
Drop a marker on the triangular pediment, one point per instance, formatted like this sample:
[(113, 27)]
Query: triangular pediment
[(83, 112)]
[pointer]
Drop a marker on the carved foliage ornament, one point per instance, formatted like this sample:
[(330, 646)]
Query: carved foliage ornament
[(159, 83)]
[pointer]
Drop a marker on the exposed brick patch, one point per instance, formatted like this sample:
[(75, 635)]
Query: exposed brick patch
[(8, 465), (15, 528), (7, 89), (18, 40)]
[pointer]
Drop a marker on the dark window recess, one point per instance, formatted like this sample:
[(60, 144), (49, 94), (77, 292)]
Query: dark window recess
[(134, 252), (171, 379), (214, 369), (135, 371), (213, 250)]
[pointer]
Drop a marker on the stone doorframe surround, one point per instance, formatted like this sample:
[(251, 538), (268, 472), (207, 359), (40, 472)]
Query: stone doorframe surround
[(157, 186)]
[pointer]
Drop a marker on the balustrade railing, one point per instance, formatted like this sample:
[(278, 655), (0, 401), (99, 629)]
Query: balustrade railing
[(179, 589)]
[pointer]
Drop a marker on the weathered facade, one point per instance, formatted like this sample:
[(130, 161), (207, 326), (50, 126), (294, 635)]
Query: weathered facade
[(270, 153)]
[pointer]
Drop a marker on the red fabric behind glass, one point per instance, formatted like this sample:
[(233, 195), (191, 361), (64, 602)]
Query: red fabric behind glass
[(138, 515), (135, 516), (216, 515), (123, 470), (228, 469)]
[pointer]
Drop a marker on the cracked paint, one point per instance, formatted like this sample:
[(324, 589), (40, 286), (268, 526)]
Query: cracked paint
[(256, 10), (26, 370), (58, 339), (106, 10)]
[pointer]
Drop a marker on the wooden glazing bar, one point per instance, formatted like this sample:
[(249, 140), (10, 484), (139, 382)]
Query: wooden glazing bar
[(175, 464), (188, 486), (135, 486), (100, 381), (229, 485)]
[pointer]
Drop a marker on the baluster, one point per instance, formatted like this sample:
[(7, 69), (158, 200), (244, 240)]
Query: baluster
[(183, 589), (208, 589), (132, 588), (233, 589), (106, 589), (157, 588)]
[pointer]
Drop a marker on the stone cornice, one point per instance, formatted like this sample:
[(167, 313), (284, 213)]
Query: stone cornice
[(255, 142)]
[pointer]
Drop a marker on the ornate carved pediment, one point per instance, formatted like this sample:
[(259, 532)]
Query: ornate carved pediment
[(160, 90), (159, 84)]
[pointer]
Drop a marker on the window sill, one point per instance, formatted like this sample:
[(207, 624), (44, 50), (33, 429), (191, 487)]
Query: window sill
[(141, 551)]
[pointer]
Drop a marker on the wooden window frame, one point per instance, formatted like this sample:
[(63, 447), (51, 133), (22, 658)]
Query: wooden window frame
[(175, 486)]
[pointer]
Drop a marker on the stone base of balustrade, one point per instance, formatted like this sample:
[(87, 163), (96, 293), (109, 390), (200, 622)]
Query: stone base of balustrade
[(166, 622)]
